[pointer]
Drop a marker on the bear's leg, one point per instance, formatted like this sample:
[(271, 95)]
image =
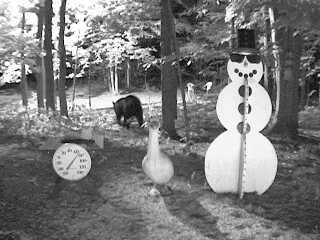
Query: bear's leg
[(125, 123)]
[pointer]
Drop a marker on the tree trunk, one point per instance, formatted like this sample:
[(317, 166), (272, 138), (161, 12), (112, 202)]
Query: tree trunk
[(24, 86), (39, 69), (74, 79), (276, 75), (116, 79), (233, 38), (182, 87), (62, 66), (48, 58), (128, 73), (183, 96), (43, 69), (318, 94), (89, 85), (265, 47), (277, 64), (291, 46), (145, 80), (112, 78), (106, 78), (169, 80), (302, 95)]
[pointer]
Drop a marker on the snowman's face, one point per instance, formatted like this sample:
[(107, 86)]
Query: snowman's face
[(245, 65)]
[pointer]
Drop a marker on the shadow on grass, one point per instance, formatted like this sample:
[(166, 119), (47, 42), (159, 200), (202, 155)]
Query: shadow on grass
[(292, 199), (286, 201), (181, 204), (34, 200), (289, 200), (186, 207)]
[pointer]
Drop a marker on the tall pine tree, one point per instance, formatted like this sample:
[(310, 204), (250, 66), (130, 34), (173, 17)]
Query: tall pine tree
[(50, 103), (62, 57), (169, 78)]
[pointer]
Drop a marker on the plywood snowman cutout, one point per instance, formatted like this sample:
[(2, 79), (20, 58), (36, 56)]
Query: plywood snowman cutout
[(241, 159)]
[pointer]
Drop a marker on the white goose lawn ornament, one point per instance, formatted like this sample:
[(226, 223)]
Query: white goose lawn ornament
[(156, 164), (207, 86)]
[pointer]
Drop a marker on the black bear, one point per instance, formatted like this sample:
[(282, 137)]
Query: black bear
[(127, 107)]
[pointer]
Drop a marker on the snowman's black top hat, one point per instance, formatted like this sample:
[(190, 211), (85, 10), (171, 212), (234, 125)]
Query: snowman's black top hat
[(246, 42)]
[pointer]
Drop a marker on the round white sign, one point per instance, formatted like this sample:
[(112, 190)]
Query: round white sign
[(71, 161), (229, 101), (222, 163)]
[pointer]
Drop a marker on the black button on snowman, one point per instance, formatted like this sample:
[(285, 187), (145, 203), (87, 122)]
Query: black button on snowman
[(241, 159)]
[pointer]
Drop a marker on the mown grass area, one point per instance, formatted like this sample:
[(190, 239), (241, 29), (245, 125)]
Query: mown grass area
[(112, 202)]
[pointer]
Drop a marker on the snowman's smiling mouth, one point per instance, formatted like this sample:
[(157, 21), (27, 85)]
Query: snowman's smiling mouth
[(245, 75)]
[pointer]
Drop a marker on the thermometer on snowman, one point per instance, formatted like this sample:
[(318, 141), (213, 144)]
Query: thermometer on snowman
[(244, 130)]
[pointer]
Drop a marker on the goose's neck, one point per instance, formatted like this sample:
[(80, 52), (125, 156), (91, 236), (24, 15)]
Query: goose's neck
[(153, 142)]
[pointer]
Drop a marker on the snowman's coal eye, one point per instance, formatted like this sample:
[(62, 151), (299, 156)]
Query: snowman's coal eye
[(254, 58), (234, 57)]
